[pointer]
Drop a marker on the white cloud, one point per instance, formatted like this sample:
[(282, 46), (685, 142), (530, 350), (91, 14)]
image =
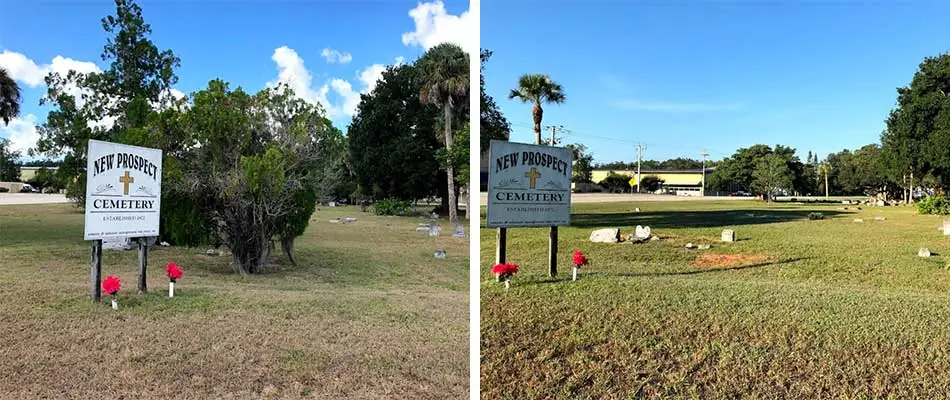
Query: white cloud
[(21, 132), (22, 68), (25, 70), (334, 56), (293, 72), (371, 75), (351, 98), (674, 107), (435, 26)]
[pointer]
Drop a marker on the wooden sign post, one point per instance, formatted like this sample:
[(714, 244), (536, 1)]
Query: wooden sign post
[(95, 271), (143, 264), (528, 186)]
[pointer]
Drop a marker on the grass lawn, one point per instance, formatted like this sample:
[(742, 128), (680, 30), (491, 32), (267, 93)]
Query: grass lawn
[(367, 313), (795, 308)]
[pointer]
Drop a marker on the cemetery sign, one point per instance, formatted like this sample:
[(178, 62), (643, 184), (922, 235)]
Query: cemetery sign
[(528, 185), (123, 191)]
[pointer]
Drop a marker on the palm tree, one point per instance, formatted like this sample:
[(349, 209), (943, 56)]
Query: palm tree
[(445, 84), (537, 89), (9, 97)]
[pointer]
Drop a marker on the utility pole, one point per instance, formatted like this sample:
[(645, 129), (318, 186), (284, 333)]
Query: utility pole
[(554, 129), (702, 189), (640, 149)]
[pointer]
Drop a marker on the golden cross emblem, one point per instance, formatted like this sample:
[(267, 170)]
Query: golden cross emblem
[(533, 176), (126, 180)]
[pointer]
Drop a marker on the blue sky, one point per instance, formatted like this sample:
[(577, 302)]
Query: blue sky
[(328, 51), (678, 77)]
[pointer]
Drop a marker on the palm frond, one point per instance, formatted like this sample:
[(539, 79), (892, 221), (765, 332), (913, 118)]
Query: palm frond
[(9, 97)]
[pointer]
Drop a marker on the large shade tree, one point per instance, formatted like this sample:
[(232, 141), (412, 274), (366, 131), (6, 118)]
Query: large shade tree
[(917, 139), (114, 104), (445, 83), (392, 140), (9, 97), (247, 171), (771, 174), (537, 89)]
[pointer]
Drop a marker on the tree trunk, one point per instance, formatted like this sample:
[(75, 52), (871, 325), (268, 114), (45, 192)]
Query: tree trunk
[(468, 201), (287, 245), (911, 197), (538, 114), (449, 170), (826, 185)]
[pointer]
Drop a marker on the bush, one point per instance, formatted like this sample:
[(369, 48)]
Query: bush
[(391, 206), (4, 190), (934, 205), (816, 215)]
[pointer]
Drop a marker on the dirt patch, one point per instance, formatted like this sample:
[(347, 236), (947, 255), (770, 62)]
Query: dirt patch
[(712, 260)]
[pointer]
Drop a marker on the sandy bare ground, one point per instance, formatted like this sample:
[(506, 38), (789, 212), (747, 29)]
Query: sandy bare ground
[(621, 197), (31, 198)]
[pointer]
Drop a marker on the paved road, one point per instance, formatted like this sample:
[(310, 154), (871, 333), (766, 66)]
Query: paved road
[(614, 198), (31, 198)]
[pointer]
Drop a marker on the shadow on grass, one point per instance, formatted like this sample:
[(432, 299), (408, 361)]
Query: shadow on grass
[(695, 219), (695, 271)]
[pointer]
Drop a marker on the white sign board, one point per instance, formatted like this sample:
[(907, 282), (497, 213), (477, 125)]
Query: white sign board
[(123, 191), (528, 185)]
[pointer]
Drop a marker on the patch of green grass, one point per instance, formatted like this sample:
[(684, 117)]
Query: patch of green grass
[(812, 308), (364, 291)]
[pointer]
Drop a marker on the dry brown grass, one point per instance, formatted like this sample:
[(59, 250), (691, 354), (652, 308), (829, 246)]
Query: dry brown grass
[(368, 314)]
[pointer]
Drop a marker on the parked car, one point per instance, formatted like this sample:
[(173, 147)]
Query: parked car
[(27, 188)]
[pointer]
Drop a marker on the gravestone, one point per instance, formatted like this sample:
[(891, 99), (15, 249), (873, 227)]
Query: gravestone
[(859, 220), (439, 253), (879, 218), (923, 252), (946, 227), (690, 246), (636, 209), (880, 203), (643, 232), (608, 235), (423, 229), (435, 215), (434, 229), (459, 232), (728, 235), (703, 246), (334, 220), (332, 204)]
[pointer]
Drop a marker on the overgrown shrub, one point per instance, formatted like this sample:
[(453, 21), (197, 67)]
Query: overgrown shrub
[(816, 215), (934, 205), (4, 190), (391, 206)]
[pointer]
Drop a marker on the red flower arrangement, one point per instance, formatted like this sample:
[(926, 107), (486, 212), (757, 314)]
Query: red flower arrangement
[(111, 285), (580, 259), (505, 271), (173, 272)]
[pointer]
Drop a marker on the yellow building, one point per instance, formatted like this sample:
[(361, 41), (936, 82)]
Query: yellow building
[(27, 173), (683, 182)]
